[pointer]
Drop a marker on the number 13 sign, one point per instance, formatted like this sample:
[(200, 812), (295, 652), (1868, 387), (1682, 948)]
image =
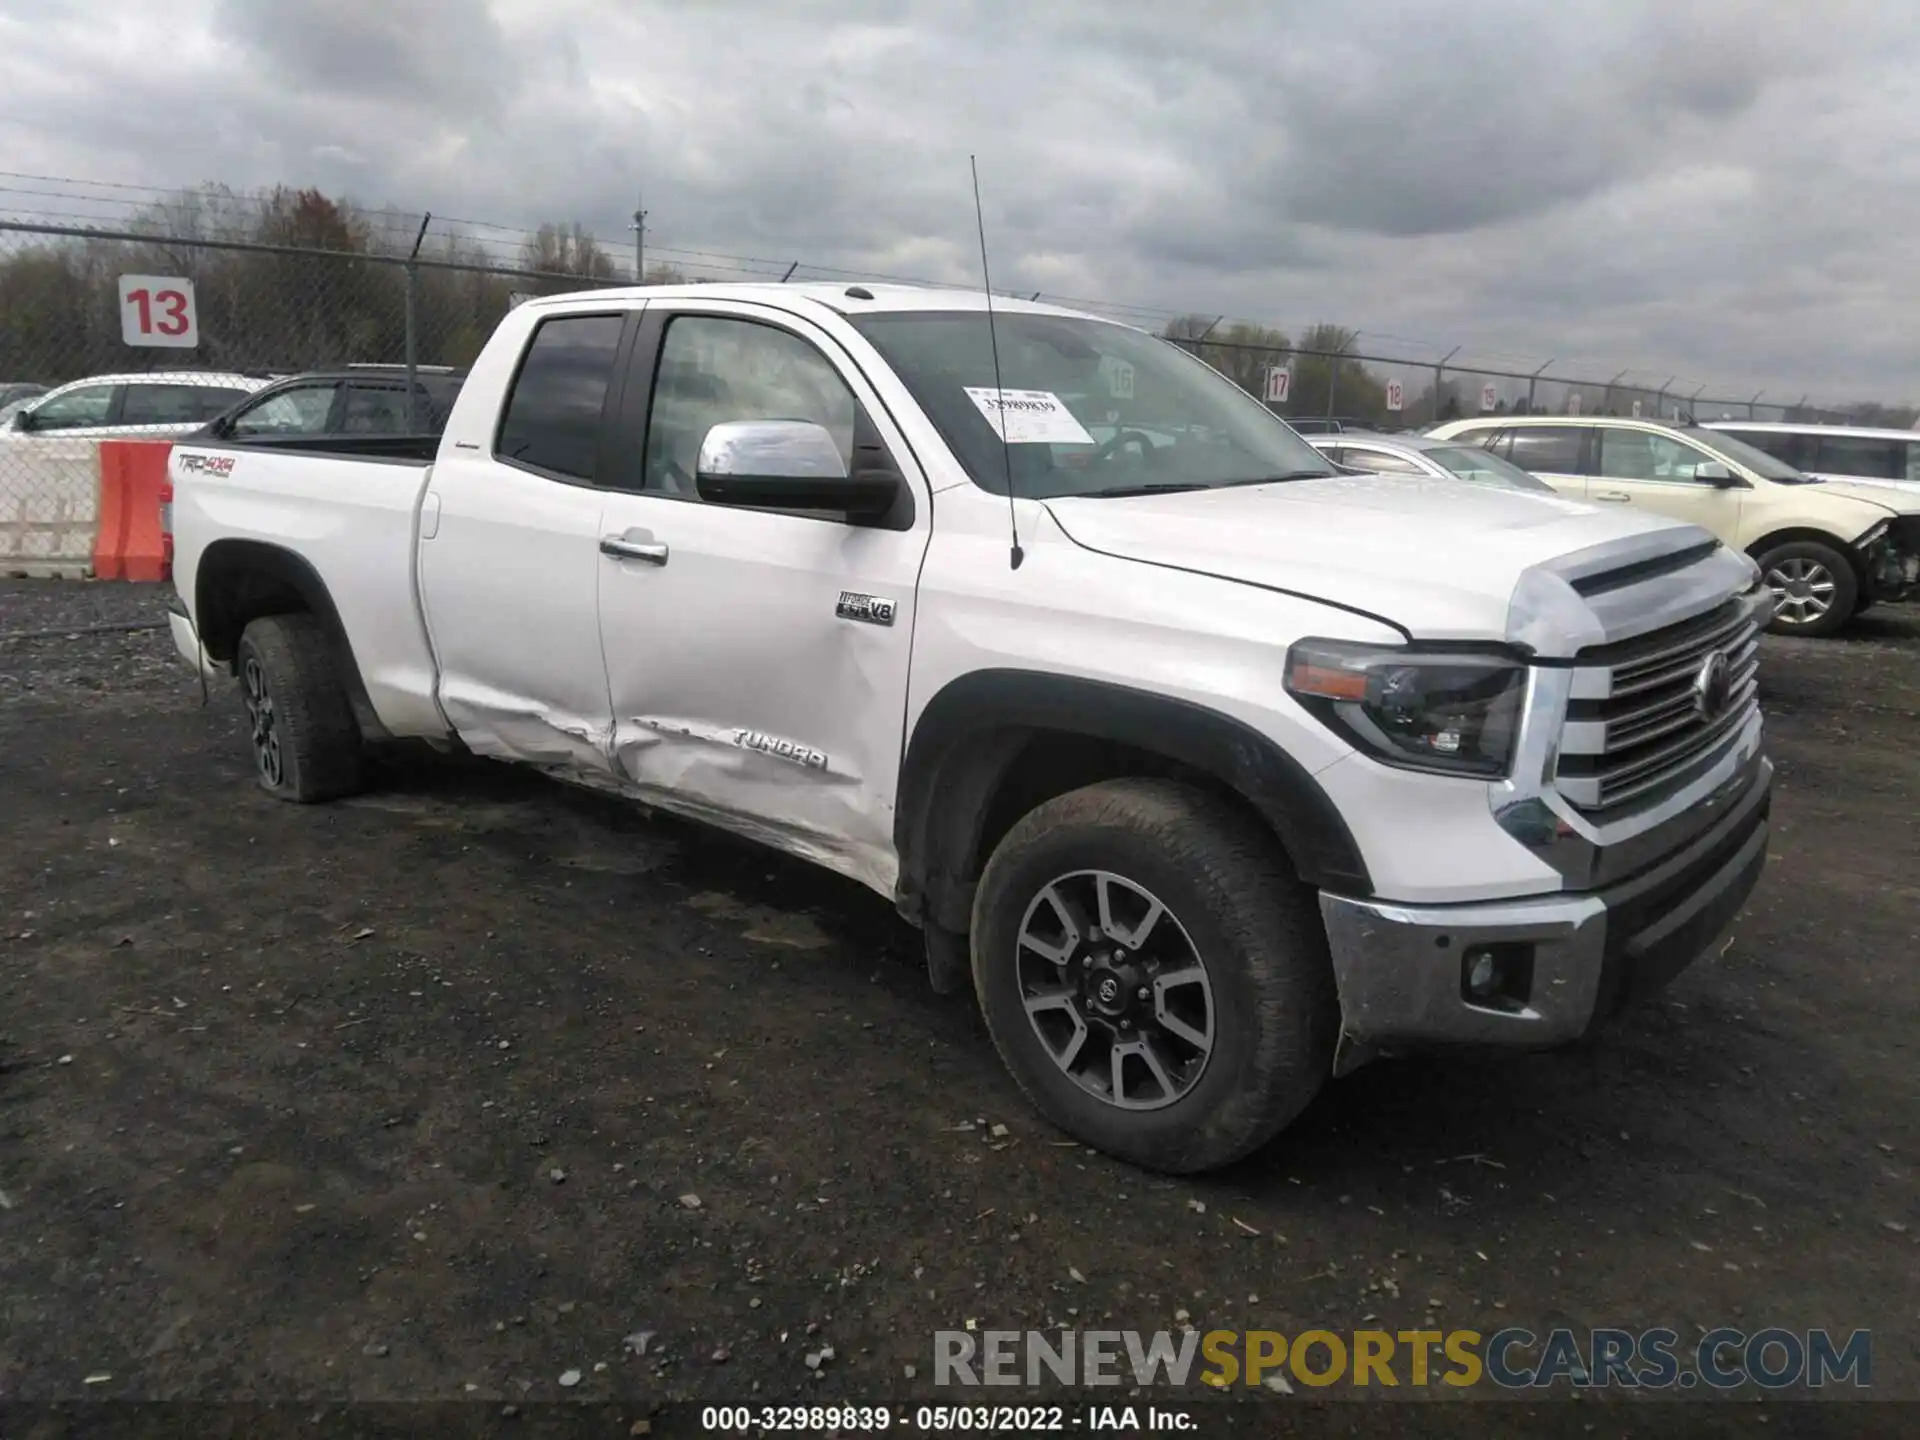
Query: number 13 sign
[(157, 310)]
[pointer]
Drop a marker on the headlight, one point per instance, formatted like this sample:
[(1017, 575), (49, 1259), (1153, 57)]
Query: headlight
[(1450, 713)]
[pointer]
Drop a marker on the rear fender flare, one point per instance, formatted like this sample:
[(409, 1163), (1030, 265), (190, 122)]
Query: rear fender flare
[(221, 611)]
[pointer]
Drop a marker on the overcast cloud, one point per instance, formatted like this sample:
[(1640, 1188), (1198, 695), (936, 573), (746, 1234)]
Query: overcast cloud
[(1723, 189)]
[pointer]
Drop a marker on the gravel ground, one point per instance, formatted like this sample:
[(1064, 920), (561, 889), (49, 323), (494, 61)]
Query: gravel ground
[(452, 1090)]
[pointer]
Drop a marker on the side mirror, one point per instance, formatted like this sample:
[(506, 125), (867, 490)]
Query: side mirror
[(22, 420), (1714, 473), (787, 465)]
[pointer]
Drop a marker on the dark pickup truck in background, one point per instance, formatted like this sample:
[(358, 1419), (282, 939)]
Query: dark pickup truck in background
[(351, 400)]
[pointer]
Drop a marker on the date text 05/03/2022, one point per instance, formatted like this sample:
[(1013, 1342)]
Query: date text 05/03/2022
[(943, 1419)]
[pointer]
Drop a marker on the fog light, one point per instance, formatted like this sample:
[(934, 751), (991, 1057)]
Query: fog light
[(1498, 976), (1482, 973)]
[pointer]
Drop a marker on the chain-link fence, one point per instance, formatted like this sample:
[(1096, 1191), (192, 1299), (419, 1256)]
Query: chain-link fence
[(1397, 392), (256, 311), (81, 304)]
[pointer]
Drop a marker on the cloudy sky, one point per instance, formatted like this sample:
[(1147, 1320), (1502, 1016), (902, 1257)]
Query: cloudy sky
[(1724, 189)]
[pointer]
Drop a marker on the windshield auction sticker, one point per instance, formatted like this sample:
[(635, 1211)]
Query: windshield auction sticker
[(1029, 417)]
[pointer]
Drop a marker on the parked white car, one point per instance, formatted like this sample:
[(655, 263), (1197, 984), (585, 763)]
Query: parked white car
[(1857, 454), (1235, 773), (104, 407), (1828, 549)]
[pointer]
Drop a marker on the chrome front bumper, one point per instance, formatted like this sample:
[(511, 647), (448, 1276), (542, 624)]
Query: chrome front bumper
[(1563, 963)]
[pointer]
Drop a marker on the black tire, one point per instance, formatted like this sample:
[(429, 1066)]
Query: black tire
[(1253, 925), (1792, 571), (306, 742)]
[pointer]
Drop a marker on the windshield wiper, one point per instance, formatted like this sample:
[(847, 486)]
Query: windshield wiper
[(1285, 475), (1174, 487), (1121, 492)]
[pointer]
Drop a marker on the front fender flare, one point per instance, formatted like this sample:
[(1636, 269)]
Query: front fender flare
[(974, 728)]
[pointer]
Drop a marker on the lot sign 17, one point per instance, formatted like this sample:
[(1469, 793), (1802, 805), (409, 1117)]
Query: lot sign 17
[(158, 310)]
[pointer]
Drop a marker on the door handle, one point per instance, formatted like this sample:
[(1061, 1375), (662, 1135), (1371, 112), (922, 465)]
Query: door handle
[(1618, 497), (654, 552)]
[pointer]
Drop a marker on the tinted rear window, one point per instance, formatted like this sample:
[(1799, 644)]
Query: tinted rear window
[(1859, 455), (1784, 445), (175, 404), (1546, 449), (552, 419)]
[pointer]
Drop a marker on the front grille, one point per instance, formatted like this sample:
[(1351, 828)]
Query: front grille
[(1636, 727)]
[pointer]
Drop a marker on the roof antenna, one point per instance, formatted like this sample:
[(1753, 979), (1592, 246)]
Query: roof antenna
[(1016, 555)]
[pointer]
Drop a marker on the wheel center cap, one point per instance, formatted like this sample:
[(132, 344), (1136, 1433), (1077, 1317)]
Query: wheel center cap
[(1109, 988)]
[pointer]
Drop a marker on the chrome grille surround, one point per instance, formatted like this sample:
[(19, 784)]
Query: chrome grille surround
[(1647, 715)]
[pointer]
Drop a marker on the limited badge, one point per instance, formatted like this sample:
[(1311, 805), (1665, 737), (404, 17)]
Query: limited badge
[(867, 609)]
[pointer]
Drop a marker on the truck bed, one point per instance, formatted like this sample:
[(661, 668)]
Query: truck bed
[(352, 518)]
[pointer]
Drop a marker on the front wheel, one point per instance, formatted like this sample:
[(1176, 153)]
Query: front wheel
[(1152, 974), (1815, 591)]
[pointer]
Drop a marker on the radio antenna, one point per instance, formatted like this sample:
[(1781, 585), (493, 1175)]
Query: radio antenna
[(1016, 555)]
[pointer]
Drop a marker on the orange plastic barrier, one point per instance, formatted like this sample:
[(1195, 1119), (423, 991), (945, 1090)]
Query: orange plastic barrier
[(130, 544)]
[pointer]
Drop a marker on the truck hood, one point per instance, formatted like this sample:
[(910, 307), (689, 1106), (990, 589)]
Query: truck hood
[(1440, 559)]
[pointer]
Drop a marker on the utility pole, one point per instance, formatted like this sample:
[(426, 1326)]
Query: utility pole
[(639, 228), (1532, 381)]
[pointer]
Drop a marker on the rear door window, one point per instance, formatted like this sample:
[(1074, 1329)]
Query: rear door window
[(1547, 449), (1860, 455), (298, 410), (217, 400), (1783, 445), (552, 417), (159, 404), (378, 410)]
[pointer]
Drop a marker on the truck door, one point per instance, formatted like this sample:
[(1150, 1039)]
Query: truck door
[(756, 661), (509, 546)]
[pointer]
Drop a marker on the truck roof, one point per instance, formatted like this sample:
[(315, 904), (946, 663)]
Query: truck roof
[(845, 297)]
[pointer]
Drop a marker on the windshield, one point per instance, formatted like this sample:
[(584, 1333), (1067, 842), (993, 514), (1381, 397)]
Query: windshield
[(1751, 456), (1470, 462), (1092, 408)]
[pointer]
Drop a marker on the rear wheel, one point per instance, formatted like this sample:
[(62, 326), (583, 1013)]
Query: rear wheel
[(1155, 979), (306, 742), (1815, 591)]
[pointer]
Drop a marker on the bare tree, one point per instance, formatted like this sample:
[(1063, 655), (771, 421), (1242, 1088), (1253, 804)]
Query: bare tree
[(567, 250)]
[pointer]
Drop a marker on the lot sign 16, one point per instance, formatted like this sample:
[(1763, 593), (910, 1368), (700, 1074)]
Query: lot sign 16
[(158, 310)]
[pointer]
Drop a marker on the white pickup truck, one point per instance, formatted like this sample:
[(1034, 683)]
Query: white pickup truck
[(1234, 774)]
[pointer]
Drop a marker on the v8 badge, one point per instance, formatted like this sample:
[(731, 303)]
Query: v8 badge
[(867, 609)]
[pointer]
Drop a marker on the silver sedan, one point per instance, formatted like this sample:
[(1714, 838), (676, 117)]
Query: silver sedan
[(1419, 455)]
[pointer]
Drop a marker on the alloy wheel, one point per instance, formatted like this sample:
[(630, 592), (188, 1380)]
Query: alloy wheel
[(1802, 589), (260, 715), (1115, 990)]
